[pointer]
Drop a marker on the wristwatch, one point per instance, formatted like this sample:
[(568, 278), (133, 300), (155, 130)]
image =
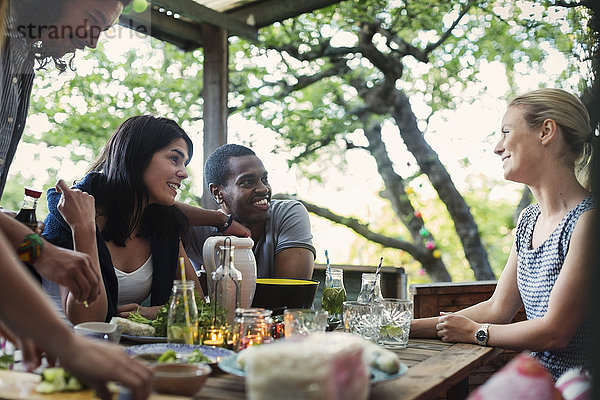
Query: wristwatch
[(481, 336)]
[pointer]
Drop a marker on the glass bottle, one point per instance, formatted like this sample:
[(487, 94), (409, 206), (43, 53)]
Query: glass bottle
[(227, 283), (26, 214), (370, 289), (252, 326), (334, 292), (182, 319)]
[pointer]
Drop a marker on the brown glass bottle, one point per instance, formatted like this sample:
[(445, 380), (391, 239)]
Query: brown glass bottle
[(26, 214)]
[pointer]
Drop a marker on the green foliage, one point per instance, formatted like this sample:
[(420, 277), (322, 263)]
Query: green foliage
[(493, 217), (322, 114)]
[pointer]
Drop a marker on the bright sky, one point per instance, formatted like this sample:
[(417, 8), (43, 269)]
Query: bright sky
[(455, 135)]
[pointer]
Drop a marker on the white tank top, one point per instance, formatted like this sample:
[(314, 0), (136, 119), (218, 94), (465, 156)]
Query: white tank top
[(134, 287)]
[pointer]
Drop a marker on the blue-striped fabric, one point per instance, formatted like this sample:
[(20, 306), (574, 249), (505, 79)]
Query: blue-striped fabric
[(17, 73), (537, 271)]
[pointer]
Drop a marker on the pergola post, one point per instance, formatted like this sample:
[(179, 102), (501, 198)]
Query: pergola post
[(214, 93)]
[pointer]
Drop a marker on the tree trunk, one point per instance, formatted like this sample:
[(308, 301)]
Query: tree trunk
[(430, 164), (395, 192)]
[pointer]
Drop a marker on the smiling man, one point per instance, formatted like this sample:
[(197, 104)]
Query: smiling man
[(238, 182), (42, 31)]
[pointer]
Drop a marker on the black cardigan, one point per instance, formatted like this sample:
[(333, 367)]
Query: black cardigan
[(164, 253)]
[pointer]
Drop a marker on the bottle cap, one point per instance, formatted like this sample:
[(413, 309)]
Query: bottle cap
[(33, 193)]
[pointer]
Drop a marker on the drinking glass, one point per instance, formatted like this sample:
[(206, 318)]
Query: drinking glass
[(303, 322), (363, 319), (395, 323)]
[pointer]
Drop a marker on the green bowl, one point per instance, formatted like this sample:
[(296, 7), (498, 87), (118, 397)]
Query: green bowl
[(277, 294)]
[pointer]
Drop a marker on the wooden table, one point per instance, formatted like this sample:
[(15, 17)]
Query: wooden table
[(436, 369)]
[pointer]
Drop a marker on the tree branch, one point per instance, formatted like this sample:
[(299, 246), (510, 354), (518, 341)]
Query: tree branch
[(323, 50), (357, 226), (563, 3), (432, 46), (303, 81)]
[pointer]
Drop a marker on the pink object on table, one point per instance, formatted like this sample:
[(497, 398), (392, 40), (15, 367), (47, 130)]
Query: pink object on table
[(575, 384), (523, 378)]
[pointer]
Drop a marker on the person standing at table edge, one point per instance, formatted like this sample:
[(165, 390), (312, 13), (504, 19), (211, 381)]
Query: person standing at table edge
[(40, 31), (546, 140), (237, 180)]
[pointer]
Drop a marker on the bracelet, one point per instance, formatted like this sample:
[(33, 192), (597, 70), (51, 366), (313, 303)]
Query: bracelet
[(30, 248), (226, 225)]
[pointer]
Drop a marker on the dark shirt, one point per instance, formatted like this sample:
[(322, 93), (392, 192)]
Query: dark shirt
[(16, 74), (164, 252)]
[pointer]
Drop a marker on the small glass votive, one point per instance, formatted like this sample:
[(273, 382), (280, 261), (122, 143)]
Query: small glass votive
[(216, 336), (251, 326), (303, 322), (363, 319)]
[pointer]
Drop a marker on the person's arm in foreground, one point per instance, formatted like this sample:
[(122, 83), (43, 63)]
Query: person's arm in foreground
[(568, 305), (198, 216), (29, 315), (66, 267), (78, 209)]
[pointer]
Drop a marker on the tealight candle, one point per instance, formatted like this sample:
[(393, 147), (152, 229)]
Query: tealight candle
[(215, 336), (252, 340)]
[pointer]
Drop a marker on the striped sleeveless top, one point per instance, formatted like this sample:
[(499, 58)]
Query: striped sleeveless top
[(537, 271)]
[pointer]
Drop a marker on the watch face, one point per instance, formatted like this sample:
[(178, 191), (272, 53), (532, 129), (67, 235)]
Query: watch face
[(480, 335)]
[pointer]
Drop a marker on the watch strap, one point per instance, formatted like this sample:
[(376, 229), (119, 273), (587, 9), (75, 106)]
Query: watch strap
[(226, 225)]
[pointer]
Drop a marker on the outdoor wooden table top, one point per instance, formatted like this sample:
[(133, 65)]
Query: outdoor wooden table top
[(434, 368)]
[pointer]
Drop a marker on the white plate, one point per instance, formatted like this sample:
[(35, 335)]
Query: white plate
[(229, 365)]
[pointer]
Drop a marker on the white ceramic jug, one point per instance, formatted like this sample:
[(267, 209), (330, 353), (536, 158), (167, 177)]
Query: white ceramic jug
[(243, 259)]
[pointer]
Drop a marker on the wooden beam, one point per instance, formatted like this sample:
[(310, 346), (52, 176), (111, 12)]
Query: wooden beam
[(214, 93), (183, 34), (265, 13), (203, 15)]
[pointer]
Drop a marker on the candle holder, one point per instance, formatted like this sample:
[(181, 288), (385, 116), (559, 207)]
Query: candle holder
[(216, 336), (252, 326)]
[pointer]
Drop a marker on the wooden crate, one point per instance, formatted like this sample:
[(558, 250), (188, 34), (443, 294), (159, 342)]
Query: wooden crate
[(432, 298)]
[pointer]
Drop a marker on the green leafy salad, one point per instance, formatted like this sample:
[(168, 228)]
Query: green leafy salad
[(58, 380), (205, 316)]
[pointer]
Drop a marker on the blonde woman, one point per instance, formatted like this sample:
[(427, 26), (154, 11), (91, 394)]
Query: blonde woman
[(546, 143)]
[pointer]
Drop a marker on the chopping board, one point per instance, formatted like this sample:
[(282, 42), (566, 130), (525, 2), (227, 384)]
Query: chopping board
[(21, 385)]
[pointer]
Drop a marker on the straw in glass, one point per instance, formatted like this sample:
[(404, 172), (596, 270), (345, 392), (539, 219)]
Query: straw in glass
[(329, 280), (188, 338), (376, 276)]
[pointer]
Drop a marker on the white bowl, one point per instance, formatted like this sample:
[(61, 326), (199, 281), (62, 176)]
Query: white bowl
[(99, 330)]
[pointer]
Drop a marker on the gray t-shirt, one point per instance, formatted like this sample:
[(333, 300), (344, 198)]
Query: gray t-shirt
[(288, 226)]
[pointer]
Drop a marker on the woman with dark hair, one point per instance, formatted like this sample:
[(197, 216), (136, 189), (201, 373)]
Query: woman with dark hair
[(123, 215)]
